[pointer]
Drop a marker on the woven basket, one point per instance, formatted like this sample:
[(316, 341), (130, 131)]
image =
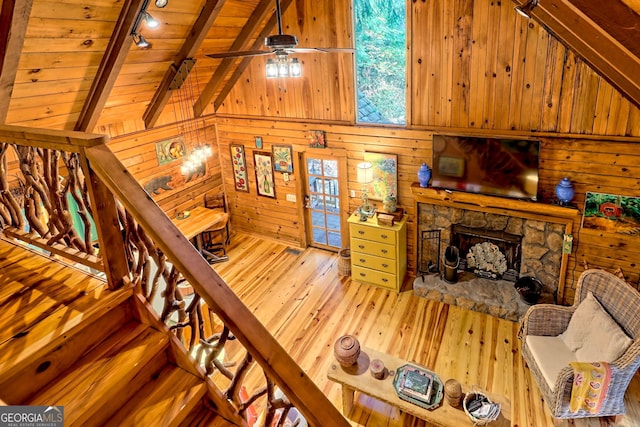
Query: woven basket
[(344, 262), (477, 421)]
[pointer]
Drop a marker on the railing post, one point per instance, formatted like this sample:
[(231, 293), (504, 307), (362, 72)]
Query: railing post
[(109, 234)]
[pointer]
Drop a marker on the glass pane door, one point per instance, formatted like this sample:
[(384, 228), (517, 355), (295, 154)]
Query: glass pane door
[(323, 213)]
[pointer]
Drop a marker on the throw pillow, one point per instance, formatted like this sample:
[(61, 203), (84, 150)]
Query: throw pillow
[(593, 335)]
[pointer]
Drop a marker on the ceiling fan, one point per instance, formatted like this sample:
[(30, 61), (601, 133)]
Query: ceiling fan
[(281, 45)]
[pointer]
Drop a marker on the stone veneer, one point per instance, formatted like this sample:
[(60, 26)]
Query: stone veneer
[(541, 241)]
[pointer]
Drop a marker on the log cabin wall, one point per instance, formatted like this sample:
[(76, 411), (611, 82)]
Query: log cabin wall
[(474, 68), (182, 192)]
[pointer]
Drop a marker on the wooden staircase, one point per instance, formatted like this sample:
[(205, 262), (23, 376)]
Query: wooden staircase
[(66, 339)]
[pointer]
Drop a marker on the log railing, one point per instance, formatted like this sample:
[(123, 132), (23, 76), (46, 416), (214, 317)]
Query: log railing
[(42, 170)]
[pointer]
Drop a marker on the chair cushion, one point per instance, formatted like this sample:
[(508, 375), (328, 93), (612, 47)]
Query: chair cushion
[(551, 355), (593, 335)]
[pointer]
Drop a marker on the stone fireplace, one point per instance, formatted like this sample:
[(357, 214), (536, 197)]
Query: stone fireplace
[(524, 238)]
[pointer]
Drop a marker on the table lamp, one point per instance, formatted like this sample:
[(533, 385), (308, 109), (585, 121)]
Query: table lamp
[(365, 176)]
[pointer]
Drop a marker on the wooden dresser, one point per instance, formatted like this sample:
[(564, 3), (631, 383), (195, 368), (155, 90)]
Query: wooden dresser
[(378, 252)]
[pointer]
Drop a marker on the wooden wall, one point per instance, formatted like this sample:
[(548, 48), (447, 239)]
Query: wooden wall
[(475, 67), (138, 153)]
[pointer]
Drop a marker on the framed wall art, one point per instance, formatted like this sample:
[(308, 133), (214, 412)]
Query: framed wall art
[(170, 150), (258, 141), (612, 213), (385, 175), (282, 158), (264, 174), (239, 167)]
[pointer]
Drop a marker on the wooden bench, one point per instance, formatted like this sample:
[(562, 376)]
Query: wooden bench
[(358, 378)]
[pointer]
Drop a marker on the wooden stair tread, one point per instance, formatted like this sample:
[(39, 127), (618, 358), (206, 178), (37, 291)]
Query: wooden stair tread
[(165, 401), (97, 379), (55, 343)]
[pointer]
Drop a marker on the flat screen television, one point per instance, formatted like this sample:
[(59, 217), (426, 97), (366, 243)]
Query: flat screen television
[(494, 166)]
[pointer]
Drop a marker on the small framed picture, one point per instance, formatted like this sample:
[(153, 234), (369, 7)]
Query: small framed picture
[(282, 158), (239, 165), (263, 165), (258, 141)]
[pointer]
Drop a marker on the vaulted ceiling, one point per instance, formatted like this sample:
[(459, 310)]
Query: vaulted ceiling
[(72, 64)]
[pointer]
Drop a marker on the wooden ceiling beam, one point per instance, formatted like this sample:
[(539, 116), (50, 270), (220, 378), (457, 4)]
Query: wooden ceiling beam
[(14, 18), (196, 36), (110, 66), (259, 14), (607, 55), (268, 28)]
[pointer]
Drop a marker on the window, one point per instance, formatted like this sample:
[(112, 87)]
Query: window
[(381, 60)]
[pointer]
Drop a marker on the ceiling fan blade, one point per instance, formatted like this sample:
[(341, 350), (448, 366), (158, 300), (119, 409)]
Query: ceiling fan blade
[(320, 49), (237, 53)]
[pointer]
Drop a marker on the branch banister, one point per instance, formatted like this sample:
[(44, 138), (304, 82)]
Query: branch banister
[(106, 180)]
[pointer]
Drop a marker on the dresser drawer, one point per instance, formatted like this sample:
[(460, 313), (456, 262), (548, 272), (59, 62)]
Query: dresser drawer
[(372, 248), (374, 277), (373, 233), (387, 265)]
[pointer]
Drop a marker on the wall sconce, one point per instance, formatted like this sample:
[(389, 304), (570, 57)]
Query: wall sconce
[(365, 176), (525, 10), (283, 66)]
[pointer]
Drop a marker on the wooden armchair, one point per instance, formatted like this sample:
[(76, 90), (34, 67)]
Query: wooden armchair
[(545, 323), (216, 239)]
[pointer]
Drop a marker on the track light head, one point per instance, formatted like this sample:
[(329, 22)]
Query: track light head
[(150, 20), (161, 3), (525, 10), (141, 42)]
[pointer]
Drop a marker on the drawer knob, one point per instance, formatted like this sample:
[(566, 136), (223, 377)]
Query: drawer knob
[(361, 246), (384, 236), (362, 275), (384, 251), (385, 280), (360, 231), (385, 265), (363, 260)]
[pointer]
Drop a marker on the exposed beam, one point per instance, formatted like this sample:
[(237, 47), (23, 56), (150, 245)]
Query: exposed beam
[(258, 15), (14, 18), (110, 66), (608, 56), (198, 33), (247, 60)]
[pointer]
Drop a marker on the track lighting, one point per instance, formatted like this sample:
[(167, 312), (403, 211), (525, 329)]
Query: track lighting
[(525, 10), (141, 41), (150, 20)]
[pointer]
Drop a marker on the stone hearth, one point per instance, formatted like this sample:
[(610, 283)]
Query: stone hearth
[(498, 298)]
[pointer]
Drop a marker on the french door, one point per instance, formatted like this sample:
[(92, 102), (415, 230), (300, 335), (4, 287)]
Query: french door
[(324, 218)]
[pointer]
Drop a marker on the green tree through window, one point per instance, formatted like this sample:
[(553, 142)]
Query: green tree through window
[(381, 60)]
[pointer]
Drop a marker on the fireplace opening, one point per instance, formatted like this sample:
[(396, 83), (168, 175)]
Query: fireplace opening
[(489, 254)]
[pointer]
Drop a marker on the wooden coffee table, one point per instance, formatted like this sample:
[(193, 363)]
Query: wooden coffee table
[(358, 378)]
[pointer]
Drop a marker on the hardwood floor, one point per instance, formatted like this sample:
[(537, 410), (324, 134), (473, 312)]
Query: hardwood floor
[(301, 299)]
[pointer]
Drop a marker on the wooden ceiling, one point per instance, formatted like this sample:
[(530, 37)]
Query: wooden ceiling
[(72, 64)]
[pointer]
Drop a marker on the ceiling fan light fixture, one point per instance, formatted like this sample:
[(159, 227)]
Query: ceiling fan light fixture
[(295, 68), (271, 69), (525, 10), (283, 69)]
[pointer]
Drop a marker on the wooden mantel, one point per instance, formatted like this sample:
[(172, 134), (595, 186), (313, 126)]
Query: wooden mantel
[(493, 204), (503, 206)]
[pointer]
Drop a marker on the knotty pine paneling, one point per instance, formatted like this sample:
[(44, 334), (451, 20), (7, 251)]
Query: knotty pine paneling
[(606, 166), (472, 65), (138, 153)]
